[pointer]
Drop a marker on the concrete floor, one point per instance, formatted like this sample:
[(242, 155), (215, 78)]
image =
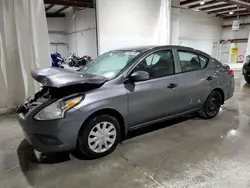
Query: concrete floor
[(184, 152)]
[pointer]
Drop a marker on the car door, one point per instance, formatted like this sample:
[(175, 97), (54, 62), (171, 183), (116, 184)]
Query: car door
[(157, 97), (196, 79)]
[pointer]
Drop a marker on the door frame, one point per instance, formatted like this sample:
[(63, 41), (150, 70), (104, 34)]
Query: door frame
[(131, 68), (159, 79)]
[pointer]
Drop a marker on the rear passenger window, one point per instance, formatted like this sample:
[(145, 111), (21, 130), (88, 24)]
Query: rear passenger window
[(190, 61), (203, 61)]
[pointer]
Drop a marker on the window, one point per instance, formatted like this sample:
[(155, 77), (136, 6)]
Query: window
[(109, 64), (203, 61), (158, 64), (190, 61)]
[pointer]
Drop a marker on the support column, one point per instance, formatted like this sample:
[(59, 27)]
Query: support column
[(175, 22)]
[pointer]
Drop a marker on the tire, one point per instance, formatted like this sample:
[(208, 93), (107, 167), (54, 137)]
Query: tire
[(212, 106), (71, 64), (88, 141), (247, 79), (84, 62)]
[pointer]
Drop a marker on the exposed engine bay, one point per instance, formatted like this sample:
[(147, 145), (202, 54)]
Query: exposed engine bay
[(55, 86)]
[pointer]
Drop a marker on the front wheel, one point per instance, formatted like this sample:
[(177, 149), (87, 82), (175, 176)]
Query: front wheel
[(99, 136), (212, 106)]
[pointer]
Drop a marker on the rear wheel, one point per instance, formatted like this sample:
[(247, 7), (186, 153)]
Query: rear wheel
[(99, 136), (247, 79), (212, 106), (71, 63)]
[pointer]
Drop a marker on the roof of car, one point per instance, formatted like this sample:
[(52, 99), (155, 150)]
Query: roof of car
[(137, 48), (150, 47)]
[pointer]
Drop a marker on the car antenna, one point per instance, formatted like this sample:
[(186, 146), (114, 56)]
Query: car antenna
[(180, 43)]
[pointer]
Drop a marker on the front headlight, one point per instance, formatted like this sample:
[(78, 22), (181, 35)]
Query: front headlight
[(57, 109)]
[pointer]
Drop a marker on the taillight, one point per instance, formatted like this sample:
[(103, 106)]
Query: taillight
[(230, 71)]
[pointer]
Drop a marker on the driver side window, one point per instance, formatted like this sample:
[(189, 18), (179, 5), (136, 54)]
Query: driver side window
[(158, 64)]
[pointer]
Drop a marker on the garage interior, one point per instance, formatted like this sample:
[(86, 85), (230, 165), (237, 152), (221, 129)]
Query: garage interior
[(183, 152), (70, 25)]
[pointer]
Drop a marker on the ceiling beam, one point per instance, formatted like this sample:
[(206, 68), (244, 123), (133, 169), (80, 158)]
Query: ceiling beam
[(240, 3), (188, 2), (230, 25), (69, 3), (81, 1), (49, 7), (206, 3), (240, 13), (240, 40), (215, 7), (62, 9), (234, 9), (234, 16), (53, 15)]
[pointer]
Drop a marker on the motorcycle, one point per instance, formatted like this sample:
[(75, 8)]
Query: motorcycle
[(57, 60), (75, 61)]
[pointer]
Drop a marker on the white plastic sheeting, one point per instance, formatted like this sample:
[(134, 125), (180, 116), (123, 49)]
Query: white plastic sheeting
[(24, 46), (128, 23), (164, 26)]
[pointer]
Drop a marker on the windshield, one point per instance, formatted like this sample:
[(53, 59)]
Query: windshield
[(109, 64)]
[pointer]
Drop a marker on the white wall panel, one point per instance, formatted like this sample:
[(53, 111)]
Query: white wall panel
[(57, 28), (82, 32), (196, 25), (87, 43), (56, 24), (74, 34), (228, 33), (196, 30)]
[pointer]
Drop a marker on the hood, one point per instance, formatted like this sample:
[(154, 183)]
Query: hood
[(58, 77)]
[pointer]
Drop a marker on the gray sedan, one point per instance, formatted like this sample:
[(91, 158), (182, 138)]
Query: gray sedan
[(93, 109)]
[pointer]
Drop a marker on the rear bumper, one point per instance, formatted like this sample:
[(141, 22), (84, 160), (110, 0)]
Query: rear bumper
[(51, 135), (229, 89)]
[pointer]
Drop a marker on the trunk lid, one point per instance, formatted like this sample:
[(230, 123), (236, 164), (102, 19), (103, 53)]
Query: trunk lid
[(58, 78)]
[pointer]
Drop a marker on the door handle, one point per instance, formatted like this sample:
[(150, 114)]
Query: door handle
[(172, 86), (209, 78)]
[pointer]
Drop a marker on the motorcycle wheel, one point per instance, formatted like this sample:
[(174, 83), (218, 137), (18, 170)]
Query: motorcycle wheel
[(71, 64)]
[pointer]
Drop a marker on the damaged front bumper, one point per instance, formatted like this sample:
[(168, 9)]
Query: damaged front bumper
[(57, 134), (49, 135)]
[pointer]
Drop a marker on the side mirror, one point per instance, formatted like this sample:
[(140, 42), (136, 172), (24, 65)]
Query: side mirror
[(139, 76)]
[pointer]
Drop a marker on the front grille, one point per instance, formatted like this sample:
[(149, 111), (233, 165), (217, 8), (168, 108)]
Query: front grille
[(26, 106)]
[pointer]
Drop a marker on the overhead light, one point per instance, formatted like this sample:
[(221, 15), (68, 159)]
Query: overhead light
[(231, 12), (202, 2)]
